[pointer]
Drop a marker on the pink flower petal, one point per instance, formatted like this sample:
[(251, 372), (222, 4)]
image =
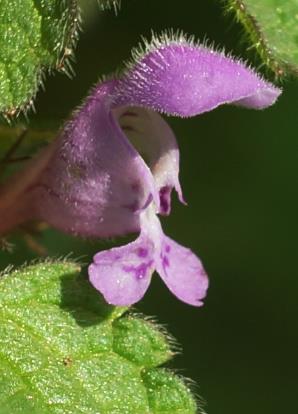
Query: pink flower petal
[(182, 272), (95, 183), (123, 274), (182, 78), (155, 141)]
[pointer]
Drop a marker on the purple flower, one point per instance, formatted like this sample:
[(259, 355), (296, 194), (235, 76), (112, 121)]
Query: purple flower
[(113, 167)]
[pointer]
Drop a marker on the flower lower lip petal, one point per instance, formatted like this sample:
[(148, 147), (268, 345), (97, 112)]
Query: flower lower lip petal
[(182, 272), (123, 274)]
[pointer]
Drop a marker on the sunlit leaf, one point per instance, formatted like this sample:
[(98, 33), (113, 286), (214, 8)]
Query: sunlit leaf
[(272, 27), (35, 36), (63, 350)]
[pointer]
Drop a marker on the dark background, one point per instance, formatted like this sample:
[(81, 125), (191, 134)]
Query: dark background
[(240, 174)]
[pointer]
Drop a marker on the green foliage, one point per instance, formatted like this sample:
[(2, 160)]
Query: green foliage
[(35, 35), (107, 4), (63, 350), (272, 26)]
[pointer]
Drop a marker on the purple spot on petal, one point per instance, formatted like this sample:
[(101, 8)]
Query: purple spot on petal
[(165, 262), (142, 252), (165, 199), (139, 271), (165, 258)]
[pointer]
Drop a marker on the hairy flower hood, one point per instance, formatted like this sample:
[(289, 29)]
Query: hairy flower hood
[(115, 162)]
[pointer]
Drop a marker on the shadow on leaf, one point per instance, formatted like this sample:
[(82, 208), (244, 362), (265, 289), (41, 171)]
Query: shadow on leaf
[(84, 303)]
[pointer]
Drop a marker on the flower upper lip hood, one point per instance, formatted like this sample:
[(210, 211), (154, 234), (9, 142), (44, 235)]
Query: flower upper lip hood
[(99, 179), (179, 77), (114, 164)]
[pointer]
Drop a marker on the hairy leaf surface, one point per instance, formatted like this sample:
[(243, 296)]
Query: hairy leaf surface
[(272, 26), (35, 36), (63, 350)]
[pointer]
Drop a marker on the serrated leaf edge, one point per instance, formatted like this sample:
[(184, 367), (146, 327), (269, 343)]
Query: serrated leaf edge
[(254, 35)]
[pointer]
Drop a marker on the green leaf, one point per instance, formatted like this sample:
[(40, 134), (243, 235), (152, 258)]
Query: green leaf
[(108, 4), (35, 35), (272, 27), (64, 351)]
